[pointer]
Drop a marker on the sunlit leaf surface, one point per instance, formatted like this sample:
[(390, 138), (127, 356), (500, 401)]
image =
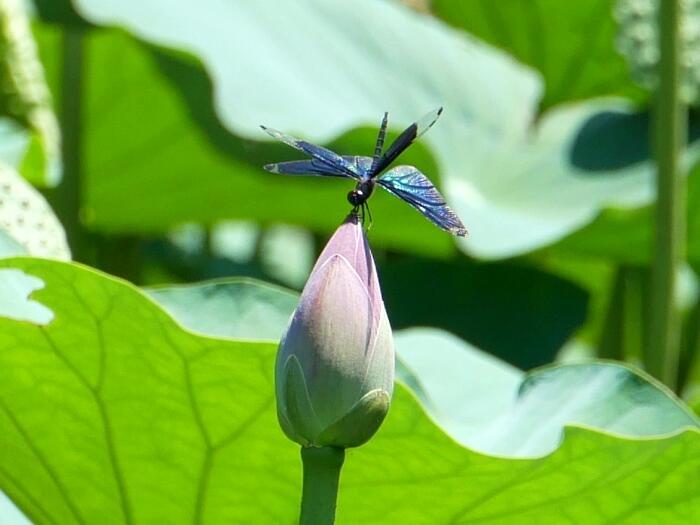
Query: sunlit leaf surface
[(112, 412)]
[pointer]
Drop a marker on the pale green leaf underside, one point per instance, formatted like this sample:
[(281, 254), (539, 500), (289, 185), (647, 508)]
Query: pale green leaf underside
[(159, 136), (491, 407), (516, 185), (481, 401), (113, 414), (238, 308)]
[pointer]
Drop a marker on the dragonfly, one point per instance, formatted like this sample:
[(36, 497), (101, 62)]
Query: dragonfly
[(405, 182)]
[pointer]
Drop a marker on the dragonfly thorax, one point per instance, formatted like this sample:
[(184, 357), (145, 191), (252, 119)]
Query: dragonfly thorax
[(361, 193)]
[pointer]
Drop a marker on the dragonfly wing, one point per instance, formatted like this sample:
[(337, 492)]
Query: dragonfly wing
[(314, 167), (305, 167), (363, 165), (410, 185), (324, 156), (410, 134)]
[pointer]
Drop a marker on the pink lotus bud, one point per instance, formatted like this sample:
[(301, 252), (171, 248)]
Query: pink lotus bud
[(335, 364)]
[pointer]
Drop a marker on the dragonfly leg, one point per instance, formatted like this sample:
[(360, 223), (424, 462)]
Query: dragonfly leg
[(369, 214)]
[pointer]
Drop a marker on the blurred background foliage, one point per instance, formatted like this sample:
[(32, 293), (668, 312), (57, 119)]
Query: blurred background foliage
[(543, 150)]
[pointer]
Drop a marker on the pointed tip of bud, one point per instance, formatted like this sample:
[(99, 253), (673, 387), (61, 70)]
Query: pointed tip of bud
[(350, 242), (352, 218)]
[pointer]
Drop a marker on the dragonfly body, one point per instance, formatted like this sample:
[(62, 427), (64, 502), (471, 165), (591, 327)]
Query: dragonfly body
[(405, 182)]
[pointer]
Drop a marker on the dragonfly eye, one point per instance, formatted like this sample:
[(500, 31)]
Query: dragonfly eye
[(356, 197)]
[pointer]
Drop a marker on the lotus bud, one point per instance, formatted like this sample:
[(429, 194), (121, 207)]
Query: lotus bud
[(335, 364)]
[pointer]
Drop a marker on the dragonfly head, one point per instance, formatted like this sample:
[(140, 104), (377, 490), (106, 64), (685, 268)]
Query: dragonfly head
[(356, 197), (361, 193)]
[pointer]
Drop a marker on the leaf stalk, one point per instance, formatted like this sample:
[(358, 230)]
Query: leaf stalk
[(670, 132), (321, 475), (66, 197)]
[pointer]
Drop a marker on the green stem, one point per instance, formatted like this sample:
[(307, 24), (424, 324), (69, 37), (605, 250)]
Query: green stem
[(689, 346), (622, 336), (207, 251), (65, 198), (321, 474), (636, 315), (611, 344), (259, 244), (670, 133)]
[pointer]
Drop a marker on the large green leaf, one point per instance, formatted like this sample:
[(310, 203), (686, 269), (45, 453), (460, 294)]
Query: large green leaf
[(613, 485), (483, 402), (114, 401), (517, 186), (547, 35), (113, 414)]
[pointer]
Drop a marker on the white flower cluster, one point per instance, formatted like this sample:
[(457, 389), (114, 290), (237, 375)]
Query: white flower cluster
[(26, 220), (24, 94), (638, 41)]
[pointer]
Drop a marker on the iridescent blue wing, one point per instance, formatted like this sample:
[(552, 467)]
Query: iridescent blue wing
[(317, 168), (410, 185), (363, 165), (305, 167), (406, 138), (327, 161)]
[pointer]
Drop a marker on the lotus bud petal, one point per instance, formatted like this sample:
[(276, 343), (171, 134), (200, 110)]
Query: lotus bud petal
[(335, 365)]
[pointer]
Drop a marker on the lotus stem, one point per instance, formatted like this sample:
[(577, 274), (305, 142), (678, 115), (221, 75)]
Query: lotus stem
[(320, 493), (670, 131), (65, 198)]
